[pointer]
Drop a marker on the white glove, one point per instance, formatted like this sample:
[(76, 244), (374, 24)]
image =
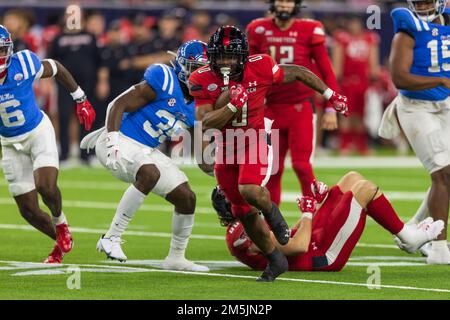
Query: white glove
[(114, 157)]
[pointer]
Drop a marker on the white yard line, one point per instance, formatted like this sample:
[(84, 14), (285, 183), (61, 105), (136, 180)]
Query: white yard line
[(226, 275), (22, 227)]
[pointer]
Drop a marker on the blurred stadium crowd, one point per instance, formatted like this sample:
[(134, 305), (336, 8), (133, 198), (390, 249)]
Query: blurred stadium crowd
[(107, 56)]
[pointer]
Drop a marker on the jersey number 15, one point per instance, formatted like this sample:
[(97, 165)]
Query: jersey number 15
[(433, 45)]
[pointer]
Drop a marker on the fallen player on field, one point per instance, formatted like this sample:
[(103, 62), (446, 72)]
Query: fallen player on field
[(330, 227)]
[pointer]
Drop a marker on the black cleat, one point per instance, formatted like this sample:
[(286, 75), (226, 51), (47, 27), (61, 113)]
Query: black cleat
[(278, 264), (279, 226)]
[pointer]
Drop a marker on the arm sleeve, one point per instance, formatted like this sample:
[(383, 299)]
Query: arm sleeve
[(320, 56), (275, 70)]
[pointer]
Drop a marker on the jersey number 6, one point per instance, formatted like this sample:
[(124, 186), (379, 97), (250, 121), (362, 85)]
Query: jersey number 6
[(14, 118)]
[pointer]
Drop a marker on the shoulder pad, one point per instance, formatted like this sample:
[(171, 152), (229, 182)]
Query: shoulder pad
[(405, 20)]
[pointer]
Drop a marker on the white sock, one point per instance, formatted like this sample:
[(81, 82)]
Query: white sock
[(131, 200), (181, 231), (439, 245), (423, 211), (59, 220)]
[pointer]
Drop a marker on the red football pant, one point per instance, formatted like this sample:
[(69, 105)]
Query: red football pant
[(337, 228), (297, 132), (243, 171)]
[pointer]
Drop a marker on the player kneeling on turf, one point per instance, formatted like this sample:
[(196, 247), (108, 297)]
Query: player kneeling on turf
[(330, 227), (137, 122)]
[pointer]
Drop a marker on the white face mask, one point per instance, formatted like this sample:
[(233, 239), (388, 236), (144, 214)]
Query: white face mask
[(428, 15)]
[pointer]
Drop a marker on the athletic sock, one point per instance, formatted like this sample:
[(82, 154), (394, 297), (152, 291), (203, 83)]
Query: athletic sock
[(182, 225), (131, 200), (382, 212), (305, 175), (59, 220), (345, 140), (422, 212)]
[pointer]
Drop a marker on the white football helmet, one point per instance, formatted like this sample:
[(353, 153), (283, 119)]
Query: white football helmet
[(436, 8)]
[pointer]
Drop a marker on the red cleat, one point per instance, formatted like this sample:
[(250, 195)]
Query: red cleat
[(55, 256), (63, 237)]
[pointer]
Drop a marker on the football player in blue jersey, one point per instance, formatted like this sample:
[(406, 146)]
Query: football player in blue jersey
[(420, 67), (30, 157), (137, 122)]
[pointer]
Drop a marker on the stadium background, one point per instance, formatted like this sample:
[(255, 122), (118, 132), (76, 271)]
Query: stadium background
[(90, 195)]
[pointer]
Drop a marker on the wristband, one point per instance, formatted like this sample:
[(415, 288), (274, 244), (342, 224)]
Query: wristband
[(232, 107), (307, 215), (78, 95), (328, 93)]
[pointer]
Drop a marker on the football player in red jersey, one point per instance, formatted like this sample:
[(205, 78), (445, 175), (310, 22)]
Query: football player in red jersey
[(355, 61), (302, 42), (241, 176), (330, 227)]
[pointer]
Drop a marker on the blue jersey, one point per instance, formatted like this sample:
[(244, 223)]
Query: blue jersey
[(18, 109), (163, 117), (431, 51)]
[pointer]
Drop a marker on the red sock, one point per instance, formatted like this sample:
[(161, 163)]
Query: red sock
[(305, 175), (382, 212)]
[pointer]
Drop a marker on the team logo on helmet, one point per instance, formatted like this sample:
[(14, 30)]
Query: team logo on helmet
[(190, 56)]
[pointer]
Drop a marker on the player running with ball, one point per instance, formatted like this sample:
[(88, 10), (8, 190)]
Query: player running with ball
[(240, 175)]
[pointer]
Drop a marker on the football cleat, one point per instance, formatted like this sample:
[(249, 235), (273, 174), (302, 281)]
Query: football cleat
[(63, 237), (415, 236), (182, 264), (112, 248), (55, 256), (438, 255)]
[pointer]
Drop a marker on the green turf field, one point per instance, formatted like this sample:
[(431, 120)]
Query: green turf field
[(89, 199)]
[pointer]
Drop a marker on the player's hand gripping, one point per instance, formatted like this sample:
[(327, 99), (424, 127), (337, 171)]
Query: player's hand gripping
[(308, 206), (319, 190), (238, 96), (113, 154)]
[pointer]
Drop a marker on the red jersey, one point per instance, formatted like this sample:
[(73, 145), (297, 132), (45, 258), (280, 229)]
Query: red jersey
[(356, 54), (259, 74), (303, 43)]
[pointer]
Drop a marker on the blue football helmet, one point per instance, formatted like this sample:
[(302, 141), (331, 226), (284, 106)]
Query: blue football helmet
[(6, 48), (190, 56), (436, 8)]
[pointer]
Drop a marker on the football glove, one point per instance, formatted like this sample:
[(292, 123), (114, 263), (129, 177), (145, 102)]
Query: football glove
[(339, 103), (113, 155), (319, 190), (238, 96), (85, 113), (307, 205)]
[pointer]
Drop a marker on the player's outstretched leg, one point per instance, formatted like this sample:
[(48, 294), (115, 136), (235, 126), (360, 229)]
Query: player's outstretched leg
[(45, 179), (258, 231), (380, 209), (110, 243), (184, 200), (259, 197)]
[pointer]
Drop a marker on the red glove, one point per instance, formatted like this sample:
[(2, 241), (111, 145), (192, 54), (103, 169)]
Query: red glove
[(238, 96), (319, 190), (85, 113), (339, 103), (307, 205)]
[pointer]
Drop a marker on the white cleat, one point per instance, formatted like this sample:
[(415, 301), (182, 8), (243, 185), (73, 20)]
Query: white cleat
[(438, 255), (182, 264), (425, 249), (111, 247), (413, 237)]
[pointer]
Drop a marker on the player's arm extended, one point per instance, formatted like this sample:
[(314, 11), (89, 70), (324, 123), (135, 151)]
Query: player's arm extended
[(131, 100), (294, 72), (299, 243), (401, 59)]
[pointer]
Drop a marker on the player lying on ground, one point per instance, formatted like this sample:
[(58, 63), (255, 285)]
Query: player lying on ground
[(419, 66), (241, 179), (330, 227), (30, 156), (137, 122)]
